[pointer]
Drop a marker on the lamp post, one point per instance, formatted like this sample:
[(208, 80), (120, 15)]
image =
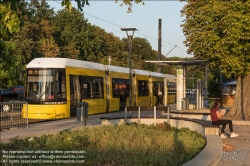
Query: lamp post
[(193, 81), (130, 37), (109, 60)]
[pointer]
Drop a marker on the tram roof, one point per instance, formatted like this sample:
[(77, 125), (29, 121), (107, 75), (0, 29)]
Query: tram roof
[(118, 69), (141, 72), (62, 63), (155, 74), (171, 78)]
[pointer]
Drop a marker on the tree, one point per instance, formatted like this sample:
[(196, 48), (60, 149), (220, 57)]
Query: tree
[(9, 26), (75, 37), (218, 32), (111, 47), (82, 3), (36, 36), (10, 22), (141, 50), (10, 11), (8, 66)]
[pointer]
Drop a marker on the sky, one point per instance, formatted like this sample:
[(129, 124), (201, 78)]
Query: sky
[(110, 16)]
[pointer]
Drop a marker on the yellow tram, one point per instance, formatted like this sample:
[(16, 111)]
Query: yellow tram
[(54, 87)]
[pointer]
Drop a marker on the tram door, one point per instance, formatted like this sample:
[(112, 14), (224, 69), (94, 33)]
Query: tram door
[(123, 92), (75, 96), (122, 100), (158, 91)]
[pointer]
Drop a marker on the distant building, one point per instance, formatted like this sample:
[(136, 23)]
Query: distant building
[(228, 93)]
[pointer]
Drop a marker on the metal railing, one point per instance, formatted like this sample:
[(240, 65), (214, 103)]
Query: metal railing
[(140, 109), (11, 115)]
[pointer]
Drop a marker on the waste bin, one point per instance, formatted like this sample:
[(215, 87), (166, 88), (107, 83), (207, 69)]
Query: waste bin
[(185, 103), (82, 112)]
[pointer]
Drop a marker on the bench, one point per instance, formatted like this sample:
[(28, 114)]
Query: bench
[(190, 112), (201, 114), (210, 128), (144, 117), (204, 123)]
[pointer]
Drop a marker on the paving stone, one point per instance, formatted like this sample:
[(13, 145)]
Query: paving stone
[(241, 155)]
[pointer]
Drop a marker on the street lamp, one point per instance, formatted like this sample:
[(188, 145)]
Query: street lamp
[(130, 37), (109, 60)]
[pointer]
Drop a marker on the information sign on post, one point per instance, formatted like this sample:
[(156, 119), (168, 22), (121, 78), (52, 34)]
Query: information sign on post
[(179, 89)]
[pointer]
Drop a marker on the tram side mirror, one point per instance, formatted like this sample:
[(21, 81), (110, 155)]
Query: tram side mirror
[(56, 76)]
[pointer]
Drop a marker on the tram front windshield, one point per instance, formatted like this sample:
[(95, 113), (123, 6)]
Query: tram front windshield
[(45, 84)]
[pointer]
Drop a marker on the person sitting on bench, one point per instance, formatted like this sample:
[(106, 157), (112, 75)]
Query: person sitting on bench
[(215, 116)]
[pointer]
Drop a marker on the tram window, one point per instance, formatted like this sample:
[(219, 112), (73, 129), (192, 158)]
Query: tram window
[(92, 87), (174, 87), (120, 88), (60, 84), (44, 84), (171, 88), (142, 88), (85, 91), (40, 86), (156, 86), (97, 90)]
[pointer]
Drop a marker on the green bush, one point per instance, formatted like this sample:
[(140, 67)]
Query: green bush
[(128, 144)]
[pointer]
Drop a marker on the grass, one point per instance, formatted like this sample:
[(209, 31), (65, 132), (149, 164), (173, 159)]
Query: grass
[(128, 144)]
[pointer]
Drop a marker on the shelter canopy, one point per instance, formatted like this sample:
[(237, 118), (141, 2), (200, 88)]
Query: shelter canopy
[(182, 84), (230, 83)]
